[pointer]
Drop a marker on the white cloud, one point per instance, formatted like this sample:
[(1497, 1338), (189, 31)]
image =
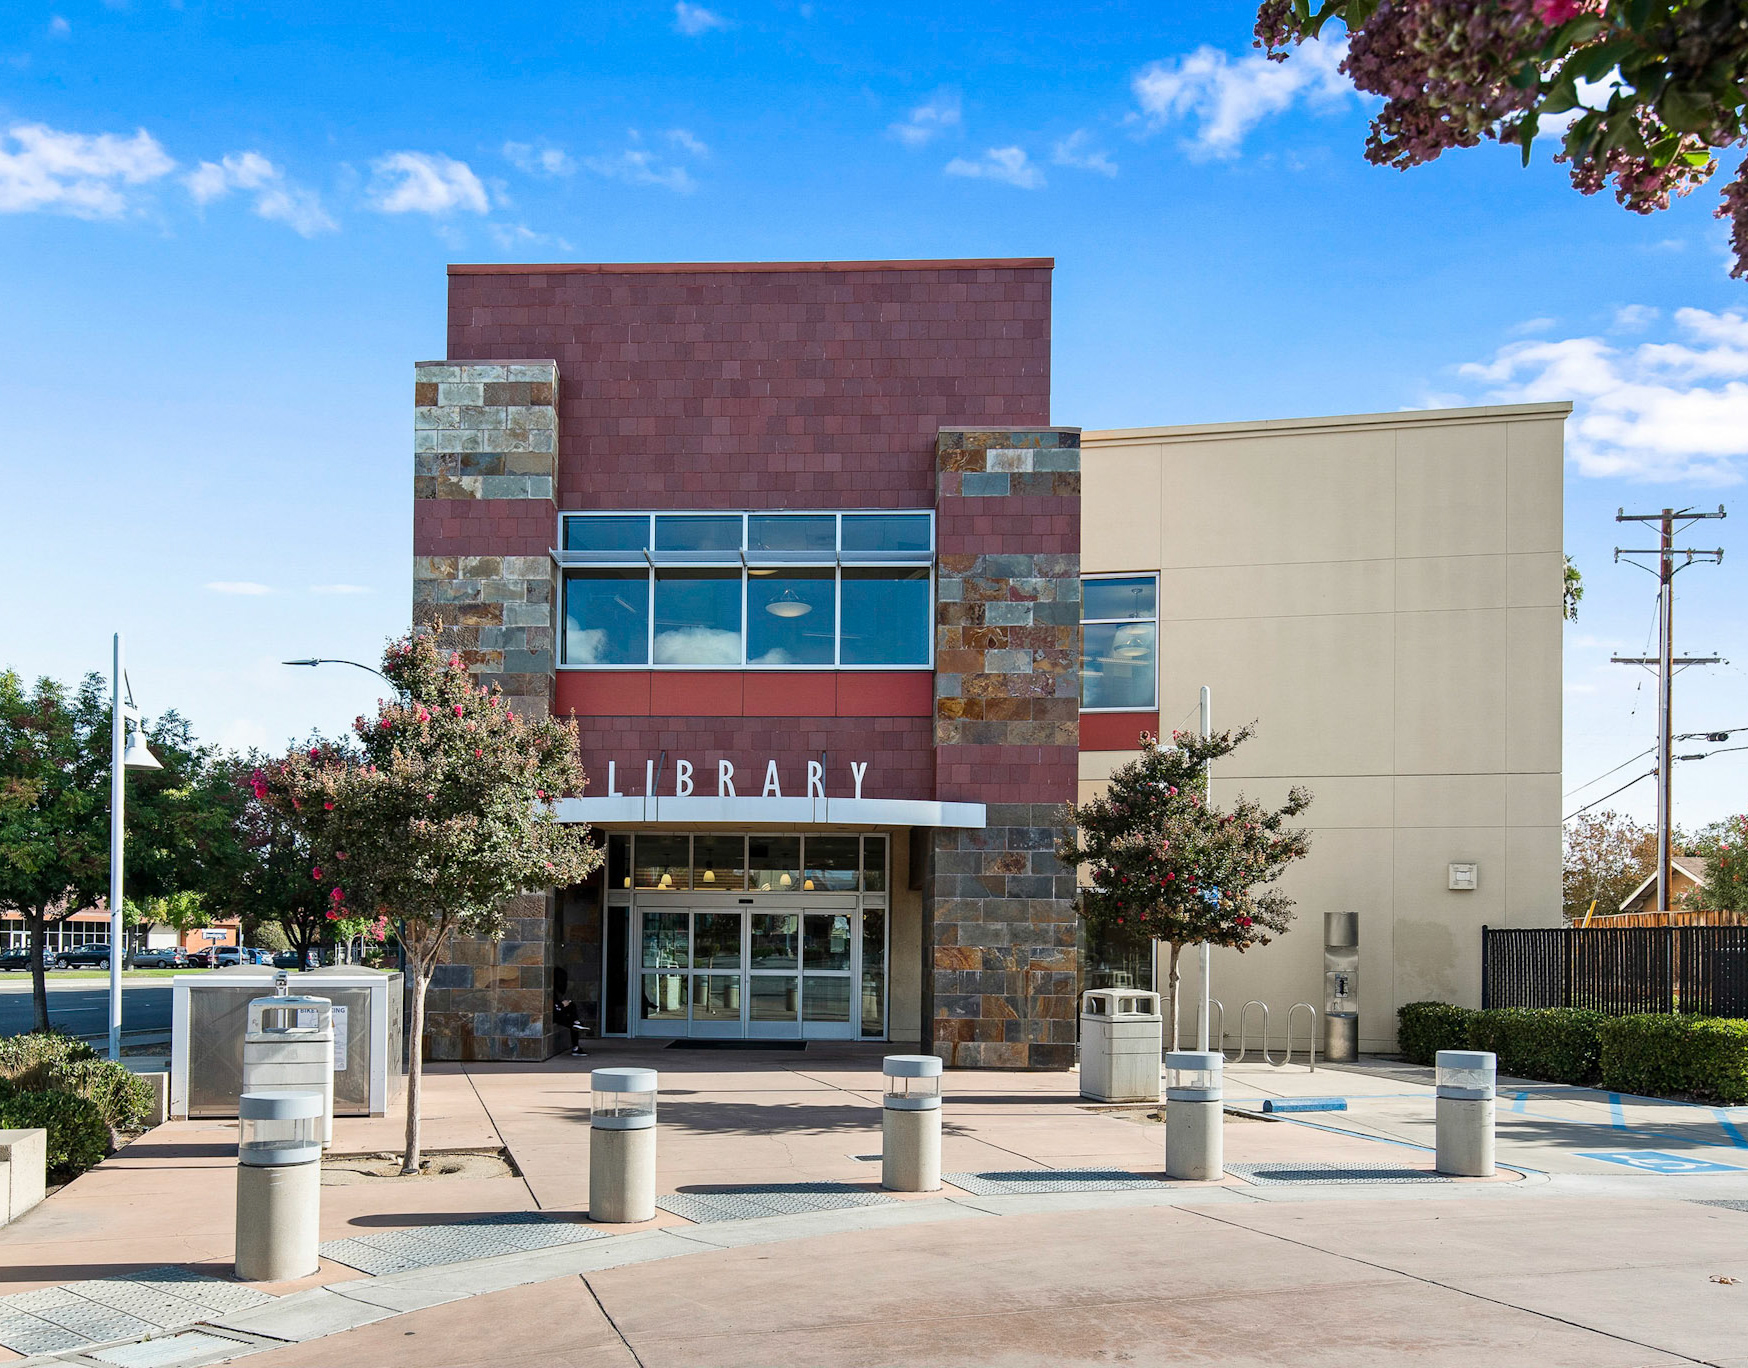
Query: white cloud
[(693, 20), (74, 173), (1672, 410), (341, 589), (686, 139), (1007, 164), (929, 119), (245, 588), (59, 27), (512, 237), (1075, 150), (639, 165), (276, 198), (541, 161), (1531, 326), (697, 646), (1635, 317), (425, 183), (1228, 98)]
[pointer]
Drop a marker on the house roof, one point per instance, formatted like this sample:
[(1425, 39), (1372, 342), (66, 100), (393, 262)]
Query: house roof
[(1689, 866)]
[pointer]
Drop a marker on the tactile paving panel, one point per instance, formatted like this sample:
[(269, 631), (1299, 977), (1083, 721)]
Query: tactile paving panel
[(768, 1199), (1726, 1204), (171, 1349), (1021, 1182), (54, 1319), (1318, 1172), (427, 1246)]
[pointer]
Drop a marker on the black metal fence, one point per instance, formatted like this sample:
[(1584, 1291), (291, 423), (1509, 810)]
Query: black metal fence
[(1700, 970)]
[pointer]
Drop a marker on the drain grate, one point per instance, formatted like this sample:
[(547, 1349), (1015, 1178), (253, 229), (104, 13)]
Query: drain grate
[(426, 1246), (51, 1320), (1020, 1182), (1334, 1173), (171, 1351), (768, 1199), (1727, 1204)]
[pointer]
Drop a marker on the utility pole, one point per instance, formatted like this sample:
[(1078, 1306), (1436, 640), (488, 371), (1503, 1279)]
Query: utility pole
[(1666, 662)]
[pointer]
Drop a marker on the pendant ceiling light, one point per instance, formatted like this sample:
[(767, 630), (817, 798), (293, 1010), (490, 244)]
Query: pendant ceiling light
[(786, 605)]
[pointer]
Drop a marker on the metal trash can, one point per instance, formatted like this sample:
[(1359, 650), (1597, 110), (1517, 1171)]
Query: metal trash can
[(1193, 1115), (622, 1145), (1341, 987), (1467, 1081), (279, 1185), (910, 1123), (1121, 1035), (289, 1046)]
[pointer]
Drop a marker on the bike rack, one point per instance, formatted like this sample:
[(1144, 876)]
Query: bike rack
[(1311, 1037), (1243, 1018), (1217, 1034)]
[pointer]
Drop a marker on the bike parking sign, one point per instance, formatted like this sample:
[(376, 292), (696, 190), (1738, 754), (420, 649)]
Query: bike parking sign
[(1658, 1161)]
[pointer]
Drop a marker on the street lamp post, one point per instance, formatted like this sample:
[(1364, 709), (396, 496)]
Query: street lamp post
[(353, 663), (124, 754)]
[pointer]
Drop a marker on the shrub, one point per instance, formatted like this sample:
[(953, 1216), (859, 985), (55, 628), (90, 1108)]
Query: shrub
[(1662, 1056), (78, 1137), (1425, 1028), (53, 1062), (1559, 1044)]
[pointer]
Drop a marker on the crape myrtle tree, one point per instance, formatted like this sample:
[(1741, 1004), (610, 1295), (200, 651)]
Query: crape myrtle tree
[(1727, 868), (1167, 863), (1640, 92), (434, 815), (54, 810)]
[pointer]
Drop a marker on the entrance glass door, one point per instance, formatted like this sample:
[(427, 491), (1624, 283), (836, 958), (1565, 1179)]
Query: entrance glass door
[(752, 973)]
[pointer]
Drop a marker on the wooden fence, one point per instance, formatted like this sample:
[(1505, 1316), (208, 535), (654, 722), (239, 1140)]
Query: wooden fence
[(1702, 970)]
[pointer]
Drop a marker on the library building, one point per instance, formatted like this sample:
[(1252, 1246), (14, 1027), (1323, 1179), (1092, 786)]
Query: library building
[(845, 618)]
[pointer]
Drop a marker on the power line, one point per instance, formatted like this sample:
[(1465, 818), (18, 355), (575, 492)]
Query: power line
[(1605, 797), (1599, 778)]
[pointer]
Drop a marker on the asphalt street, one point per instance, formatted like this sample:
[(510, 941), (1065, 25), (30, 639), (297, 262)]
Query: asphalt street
[(82, 1007)]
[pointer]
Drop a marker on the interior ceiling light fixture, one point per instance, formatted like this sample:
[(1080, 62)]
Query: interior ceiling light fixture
[(786, 605)]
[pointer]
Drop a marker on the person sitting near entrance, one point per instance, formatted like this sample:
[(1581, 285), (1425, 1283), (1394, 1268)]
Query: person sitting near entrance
[(564, 1010)]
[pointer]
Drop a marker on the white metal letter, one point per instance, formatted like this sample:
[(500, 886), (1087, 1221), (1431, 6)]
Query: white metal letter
[(682, 778), (815, 779), (613, 780), (856, 772), (724, 779), (772, 788), (649, 778)]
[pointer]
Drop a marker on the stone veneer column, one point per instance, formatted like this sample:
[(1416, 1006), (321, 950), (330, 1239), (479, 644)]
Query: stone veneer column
[(1001, 925), (485, 450)]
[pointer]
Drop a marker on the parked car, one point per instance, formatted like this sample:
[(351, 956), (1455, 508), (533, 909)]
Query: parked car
[(290, 959), (166, 957), (87, 957), (227, 955), (202, 958), (19, 958)]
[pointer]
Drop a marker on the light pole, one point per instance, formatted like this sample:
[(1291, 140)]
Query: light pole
[(124, 754), (353, 663)]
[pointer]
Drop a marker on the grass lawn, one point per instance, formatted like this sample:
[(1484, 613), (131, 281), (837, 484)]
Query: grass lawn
[(66, 975)]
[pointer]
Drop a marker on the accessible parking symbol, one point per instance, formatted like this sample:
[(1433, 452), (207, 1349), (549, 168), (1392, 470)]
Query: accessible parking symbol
[(1657, 1161)]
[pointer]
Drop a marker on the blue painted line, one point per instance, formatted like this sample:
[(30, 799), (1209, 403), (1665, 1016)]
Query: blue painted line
[(1304, 1104), (1730, 1128), (1518, 1101), (1617, 1113)]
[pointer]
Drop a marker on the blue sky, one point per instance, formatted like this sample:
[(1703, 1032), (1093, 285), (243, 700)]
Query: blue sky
[(223, 231)]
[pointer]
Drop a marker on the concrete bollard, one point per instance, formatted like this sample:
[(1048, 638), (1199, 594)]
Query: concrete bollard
[(1466, 1085), (910, 1123), (279, 1185), (24, 1159), (622, 1146), (1192, 1116), (159, 1111)]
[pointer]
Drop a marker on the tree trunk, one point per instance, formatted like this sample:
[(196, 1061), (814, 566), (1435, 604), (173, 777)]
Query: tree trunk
[(39, 986), (416, 1059), (1171, 996)]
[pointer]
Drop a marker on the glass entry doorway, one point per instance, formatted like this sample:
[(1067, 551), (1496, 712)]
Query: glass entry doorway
[(770, 970)]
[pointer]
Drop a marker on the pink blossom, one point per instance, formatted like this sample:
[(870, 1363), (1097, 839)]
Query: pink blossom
[(385, 724), (327, 807), (315, 752), (316, 874), (1553, 13), (458, 710), (477, 752)]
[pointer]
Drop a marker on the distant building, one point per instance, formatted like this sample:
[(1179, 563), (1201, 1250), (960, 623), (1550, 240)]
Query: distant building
[(1687, 879)]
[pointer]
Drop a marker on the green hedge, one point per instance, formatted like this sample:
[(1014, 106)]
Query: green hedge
[(1560, 1044), (1661, 1056), (78, 1136), (49, 1061), (1425, 1028)]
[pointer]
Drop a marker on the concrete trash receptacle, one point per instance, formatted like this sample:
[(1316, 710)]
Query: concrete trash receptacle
[(279, 1185), (622, 1145), (1463, 1131), (910, 1123), (1193, 1114), (1121, 1037), (289, 1045)]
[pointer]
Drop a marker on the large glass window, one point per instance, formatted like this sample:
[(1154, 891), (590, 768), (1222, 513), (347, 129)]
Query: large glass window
[(697, 617), (1119, 664), (805, 590), (792, 616), (606, 618), (887, 617)]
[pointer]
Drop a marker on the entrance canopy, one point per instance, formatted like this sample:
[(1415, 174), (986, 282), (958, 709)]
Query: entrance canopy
[(693, 811)]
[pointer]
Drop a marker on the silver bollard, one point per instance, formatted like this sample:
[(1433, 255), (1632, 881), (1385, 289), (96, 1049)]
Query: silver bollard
[(279, 1185), (1466, 1085), (1192, 1115), (622, 1145), (910, 1123)]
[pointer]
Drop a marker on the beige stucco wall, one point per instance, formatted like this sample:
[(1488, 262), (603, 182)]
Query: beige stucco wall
[(1381, 593)]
